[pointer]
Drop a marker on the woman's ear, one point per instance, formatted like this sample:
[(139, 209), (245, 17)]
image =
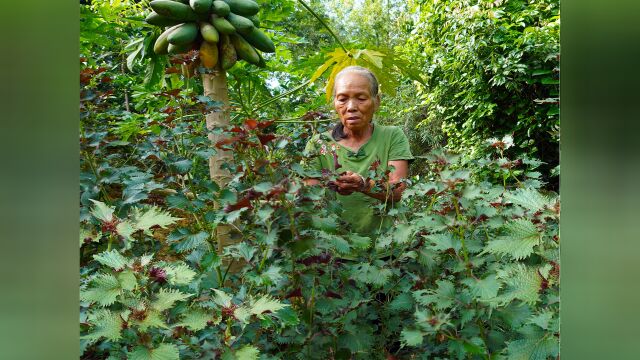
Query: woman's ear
[(376, 102)]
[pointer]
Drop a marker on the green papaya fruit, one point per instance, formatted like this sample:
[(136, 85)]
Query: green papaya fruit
[(161, 46), (244, 50), (174, 10), (243, 7), (184, 34), (254, 19), (227, 53), (261, 63), (179, 48), (201, 6), (241, 23), (158, 20), (220, 8), (259, 40), (222, 25), (209, 32)]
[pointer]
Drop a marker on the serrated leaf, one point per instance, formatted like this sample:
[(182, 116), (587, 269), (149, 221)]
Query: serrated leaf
[(410, 337), (328, 224), (370, 274), (263, 187), (520, 239), (264, 304), (162, 352), (403, 301), (360, 242), (106, 324), (522, 283), (242, 314), (152, 320), (101, 211), (360, 340), (88, 234), (443, 242), (192, 241), (127, 280), (178, 201), (402, 233), (442, 297), (247, 352), (221, 298), (182, 166), (195, 319), (264, 213), (529, 199), (146, 259), (272, 275), (112, 259), (242, 250), (104, 290), (288, 316), (535, 348), (483, 289), (179, 274), (153, 216), (125, 229), (341, 245), (166, 298), (234, 215), (542, 319)]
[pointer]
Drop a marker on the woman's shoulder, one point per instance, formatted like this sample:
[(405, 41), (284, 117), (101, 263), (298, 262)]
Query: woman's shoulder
[(390, 131)]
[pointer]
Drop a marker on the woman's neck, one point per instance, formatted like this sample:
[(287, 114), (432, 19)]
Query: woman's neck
[(359, 136)]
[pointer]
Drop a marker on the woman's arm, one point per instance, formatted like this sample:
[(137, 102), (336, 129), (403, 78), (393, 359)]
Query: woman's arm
[(351, 182)]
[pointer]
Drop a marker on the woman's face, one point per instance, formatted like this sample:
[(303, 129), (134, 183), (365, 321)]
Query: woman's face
[(353, 101)]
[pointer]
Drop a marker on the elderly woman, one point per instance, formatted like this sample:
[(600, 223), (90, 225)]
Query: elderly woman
[(358, 143)]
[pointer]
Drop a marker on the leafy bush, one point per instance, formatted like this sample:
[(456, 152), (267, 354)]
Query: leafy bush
[(469, 269), (493, 70)]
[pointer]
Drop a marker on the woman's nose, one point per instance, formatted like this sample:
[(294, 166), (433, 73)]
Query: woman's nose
[(351, 105)]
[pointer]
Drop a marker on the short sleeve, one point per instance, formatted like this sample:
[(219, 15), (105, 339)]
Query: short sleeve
[(399, 148)]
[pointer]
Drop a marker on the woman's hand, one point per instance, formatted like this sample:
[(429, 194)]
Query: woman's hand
[(349, 182)]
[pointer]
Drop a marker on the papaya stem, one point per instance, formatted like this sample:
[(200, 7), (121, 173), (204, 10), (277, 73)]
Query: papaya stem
[(267, 102), (323, 24)]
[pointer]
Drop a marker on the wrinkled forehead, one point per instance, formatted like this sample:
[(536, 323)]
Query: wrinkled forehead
[(352, 82)]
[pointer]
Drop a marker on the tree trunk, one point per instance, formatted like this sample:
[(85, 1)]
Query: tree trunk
[(215, 87)]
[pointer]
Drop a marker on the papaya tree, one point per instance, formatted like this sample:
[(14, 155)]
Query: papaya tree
[(217, 34)]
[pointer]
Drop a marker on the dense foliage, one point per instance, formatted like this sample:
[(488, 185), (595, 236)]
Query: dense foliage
[(469, 270), (492, 69)]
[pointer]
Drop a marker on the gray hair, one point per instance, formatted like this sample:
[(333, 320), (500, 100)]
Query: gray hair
[(338, 130), (373, 81)]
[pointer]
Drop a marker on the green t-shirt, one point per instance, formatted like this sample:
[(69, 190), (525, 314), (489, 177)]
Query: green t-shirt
[(386, 143)]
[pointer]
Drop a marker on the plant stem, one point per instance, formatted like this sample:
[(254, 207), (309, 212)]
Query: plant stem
[(323, 24), (267, 102), (461, 230)]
